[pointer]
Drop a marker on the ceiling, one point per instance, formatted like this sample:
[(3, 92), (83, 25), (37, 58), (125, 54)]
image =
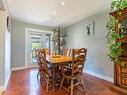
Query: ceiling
[(41, 11), (1, 5)]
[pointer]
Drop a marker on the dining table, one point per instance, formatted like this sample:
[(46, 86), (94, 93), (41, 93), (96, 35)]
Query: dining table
[(58, 60)]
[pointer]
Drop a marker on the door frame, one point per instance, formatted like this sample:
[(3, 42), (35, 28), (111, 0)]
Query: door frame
[(31, 30)]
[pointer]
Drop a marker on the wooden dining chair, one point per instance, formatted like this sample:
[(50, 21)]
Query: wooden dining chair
[(67, 52), (76, 70), (46, 72), (47, 51), (45, 68), (40, 53)]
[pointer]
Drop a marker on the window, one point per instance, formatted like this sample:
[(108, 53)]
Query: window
[(48, 41)]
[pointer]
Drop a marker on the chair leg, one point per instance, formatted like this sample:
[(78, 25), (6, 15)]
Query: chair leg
[(47, 86), (61, 82), (71, 86), (41, 79), (83, 83)]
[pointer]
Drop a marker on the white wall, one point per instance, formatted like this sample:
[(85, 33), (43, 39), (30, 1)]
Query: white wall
[(4, 50), (2, 47), (97, 60), (7, 55)]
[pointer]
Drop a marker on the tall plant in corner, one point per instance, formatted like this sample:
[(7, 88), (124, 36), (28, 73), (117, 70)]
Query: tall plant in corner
[(115, 49)]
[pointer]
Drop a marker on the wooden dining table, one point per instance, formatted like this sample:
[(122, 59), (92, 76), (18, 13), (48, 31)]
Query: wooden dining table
[(58, 60)]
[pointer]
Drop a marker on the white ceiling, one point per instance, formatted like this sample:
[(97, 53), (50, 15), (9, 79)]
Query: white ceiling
[(38, 11)]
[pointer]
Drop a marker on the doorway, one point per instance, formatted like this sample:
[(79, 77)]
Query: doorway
[(36, 39), (34, 44)]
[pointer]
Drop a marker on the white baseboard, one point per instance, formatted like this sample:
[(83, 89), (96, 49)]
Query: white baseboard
[(18, 68), (100, 76), (7, 80), (32, 66)]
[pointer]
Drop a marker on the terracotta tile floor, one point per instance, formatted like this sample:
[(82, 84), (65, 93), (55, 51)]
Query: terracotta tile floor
[(24, 82)]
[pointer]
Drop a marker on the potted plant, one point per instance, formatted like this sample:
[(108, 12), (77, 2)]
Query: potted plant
[(114, 46)]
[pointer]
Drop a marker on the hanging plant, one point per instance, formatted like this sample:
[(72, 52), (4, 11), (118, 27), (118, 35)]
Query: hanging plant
[(115, 49)]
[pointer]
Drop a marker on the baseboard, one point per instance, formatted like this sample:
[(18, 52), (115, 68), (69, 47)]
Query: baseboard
[(18, 68), (100, 76), (7, 80), (31, 66)]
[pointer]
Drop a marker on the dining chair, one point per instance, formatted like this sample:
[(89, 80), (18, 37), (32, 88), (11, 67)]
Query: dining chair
[(47, 51), (39, 53), (46, 72), (45, 69), (76, 71), (67, 52), (42, 53)]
